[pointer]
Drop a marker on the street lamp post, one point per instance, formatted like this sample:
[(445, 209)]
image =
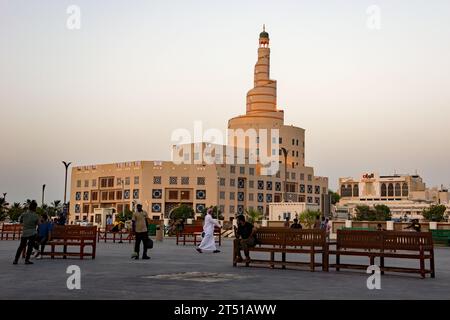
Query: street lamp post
[(4, 195), (285, 153), (43, 192), (66, 165)]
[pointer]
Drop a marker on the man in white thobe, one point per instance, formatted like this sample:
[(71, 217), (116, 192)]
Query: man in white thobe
[(208, 243)]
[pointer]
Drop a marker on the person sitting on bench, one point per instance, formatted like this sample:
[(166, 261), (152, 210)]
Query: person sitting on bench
[(245, 238)]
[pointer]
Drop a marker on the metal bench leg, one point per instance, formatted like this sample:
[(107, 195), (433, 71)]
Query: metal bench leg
[(283, 258), (433, 275)]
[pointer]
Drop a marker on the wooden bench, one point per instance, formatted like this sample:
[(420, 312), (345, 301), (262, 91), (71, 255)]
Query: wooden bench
[(107, 234), (441, 236), (193, 233), (290, 241), (382, 245), (72, 236), (11, 231)]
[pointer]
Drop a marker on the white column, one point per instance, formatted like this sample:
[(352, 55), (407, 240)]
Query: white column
[(389, 225), (433, 225), (264, 223), (348, 223)]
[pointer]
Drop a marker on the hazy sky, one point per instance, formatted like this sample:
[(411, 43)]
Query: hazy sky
[(370, 100)]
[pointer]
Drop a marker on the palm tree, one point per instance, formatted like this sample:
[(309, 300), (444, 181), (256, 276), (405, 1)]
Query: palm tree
[(15, 211), (3, 208), (55, 208), (253, 215)]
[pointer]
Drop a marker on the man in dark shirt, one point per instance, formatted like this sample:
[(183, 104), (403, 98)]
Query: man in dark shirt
[(415, 225), (296, 225), (245, 238)]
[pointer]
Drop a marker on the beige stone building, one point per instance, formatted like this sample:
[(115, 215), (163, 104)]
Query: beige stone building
[(405, 195), (226, 180)]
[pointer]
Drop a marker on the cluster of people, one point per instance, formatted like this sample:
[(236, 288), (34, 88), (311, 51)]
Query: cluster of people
[(36, 232)]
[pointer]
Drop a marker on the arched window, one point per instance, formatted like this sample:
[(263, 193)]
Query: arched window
[(405, 190), (398, 191), (355, 190), (390, 190), (343, 190), (383, 190)]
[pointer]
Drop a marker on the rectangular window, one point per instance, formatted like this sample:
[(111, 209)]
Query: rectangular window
[(173, 195), (184, 180), (94, 183), (222, 195), (173, 180), (111, 195), (119, 195), (317, 189), (251, 171), (250, 197), (251, 184), (232, 169), (94, 196), (86, 196), (293, 176), (136, 180), (185, 195), (104, 196), (231, 209), (85, 208), (110, 182), (242, 170), (127, 181), (293, 153), (201, 181), (232, 182), (86, 183), (78, 183), (281, 140), (232, 196), (119, 181), (222, 182), (309, 177), (293, 142), (302, 176), (310, 189)]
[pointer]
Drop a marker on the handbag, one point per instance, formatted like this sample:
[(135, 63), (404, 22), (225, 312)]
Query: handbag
[(148, 243)]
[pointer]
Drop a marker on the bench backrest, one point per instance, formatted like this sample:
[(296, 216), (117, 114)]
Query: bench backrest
[(12, 227), (74, 232), (387, 240), (359, 239), (407, 240), (287, 237)]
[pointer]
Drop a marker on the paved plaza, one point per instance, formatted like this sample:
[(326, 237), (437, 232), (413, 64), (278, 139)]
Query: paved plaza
[(179, 272)]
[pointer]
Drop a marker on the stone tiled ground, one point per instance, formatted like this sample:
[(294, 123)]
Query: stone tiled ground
[(113, 275)]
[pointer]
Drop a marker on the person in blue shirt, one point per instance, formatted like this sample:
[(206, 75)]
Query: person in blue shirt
[(44, 234)]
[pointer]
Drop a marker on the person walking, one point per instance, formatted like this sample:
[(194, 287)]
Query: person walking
[(317, 223), (208, 243), (30, 220), (139, 225)]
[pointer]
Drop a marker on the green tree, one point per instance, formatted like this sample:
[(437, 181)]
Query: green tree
[(435, 213), (3, 209), (253, 215), (214, 214), (125, 215), (382, 212), (335, 197), (308, 217), (15, 211), (54, 208), (377, 213), (183, 211)]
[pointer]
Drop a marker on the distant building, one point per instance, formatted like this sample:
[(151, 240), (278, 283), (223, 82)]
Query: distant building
[(160, 186), (405, 195)]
